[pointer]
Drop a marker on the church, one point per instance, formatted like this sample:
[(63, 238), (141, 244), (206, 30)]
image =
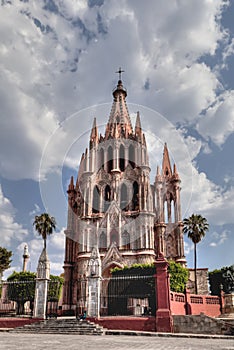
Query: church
[(113, 206)]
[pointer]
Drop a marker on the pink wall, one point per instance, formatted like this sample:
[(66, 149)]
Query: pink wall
[(178, 303), (12, 322), (209, 305), (127, 323)]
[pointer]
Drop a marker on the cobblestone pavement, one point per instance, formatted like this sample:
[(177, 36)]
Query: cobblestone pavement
[(82, 342)]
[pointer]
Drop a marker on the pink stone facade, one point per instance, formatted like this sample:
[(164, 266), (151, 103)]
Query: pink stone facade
[(113, 205)]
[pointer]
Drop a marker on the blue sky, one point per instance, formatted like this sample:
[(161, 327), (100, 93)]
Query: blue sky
[(57, 65)]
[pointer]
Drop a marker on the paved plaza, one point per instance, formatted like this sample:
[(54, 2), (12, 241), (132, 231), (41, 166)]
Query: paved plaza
[(10, 341)]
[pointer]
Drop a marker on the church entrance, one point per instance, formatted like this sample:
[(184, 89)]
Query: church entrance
[(124, 294)]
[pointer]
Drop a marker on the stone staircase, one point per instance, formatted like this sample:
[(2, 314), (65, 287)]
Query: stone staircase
[(61, 326)]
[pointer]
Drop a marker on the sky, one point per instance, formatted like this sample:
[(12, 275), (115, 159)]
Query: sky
[(57, 65)]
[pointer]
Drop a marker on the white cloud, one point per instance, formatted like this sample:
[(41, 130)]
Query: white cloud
[(55, 248), (218, 238), (57, 240), (35, 211), (188, 247), (200, 195), (218, 121), (48, 66), (229, 51), (9, 228)]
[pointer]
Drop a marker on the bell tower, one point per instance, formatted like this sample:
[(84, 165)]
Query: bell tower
[(168, 223), (112, 205)]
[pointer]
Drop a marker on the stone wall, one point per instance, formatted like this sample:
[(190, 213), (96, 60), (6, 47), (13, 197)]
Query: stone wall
[(202, 281), (201, 324)]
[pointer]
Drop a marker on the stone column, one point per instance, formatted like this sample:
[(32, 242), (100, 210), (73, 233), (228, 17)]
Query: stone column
[(42, 279), (228, 310), (26, 257), (164, 321), (228, 277), (94, 284), (160, 238)]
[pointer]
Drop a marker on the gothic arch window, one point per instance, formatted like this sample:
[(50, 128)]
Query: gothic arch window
[(165, 212), (123, 197), (142, 197), (131, 156), (170, 247), (144, 237), (92, 239), (135, 196), (102, 241), (107, 197), (121, 158), (101, 154), (126, 240), (109, 159), (86, 240), (172, 211), (114, 237), (86, 202), (169, 210), (149, 238), (96, 200)]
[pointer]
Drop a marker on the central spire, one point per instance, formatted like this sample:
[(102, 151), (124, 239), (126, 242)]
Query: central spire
[(119, 122)]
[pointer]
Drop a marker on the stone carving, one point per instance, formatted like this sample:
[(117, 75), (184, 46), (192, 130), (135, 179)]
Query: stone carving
[(95, 263), (228, 276)]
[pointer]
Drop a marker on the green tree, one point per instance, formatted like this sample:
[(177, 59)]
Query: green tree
[(21, 288), (55, 288), (195, 227), (215, 281), (44, 225), (5, 260), (178, 277)]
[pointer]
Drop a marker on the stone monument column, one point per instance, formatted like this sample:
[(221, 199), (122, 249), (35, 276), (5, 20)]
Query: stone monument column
[(228, 276), (41, 290), (26, 257), (94, 284)]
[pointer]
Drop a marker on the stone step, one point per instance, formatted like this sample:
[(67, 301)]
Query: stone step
[(62, 326)]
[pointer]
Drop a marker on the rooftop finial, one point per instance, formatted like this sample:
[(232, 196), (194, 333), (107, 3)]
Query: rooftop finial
[(120, 71)]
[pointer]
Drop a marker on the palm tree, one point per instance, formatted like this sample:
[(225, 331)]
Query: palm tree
[(44, 225), (195, 227)]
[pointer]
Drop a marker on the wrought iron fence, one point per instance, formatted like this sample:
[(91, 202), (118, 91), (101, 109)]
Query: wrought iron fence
[(128, 295), (17, 298), (53, 296)]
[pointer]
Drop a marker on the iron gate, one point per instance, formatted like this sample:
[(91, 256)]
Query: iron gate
[(128, 295), (53, 296)]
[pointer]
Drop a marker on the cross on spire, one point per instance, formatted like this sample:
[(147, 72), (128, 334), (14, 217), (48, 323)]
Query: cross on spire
[(119, 72)]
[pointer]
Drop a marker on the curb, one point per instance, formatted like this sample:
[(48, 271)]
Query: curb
[(172, 335)]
